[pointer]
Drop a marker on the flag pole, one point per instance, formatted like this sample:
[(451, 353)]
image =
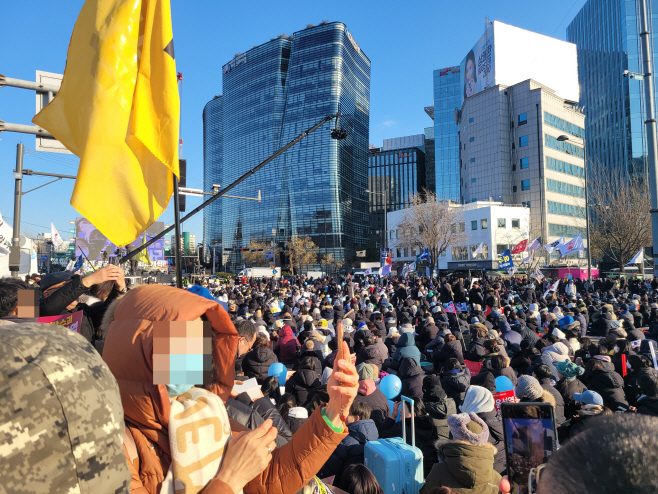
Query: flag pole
[(179, 272)]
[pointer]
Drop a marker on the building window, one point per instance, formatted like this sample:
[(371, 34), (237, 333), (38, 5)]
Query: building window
[(473, 180), (485, 252), (564, 146), (523, 141), (525, 184), (523, 119), (526, 203), (470, 120), (561, 124), (565, 209), (525, 162), (513, 188), (472, 160), (462, 226), (484, 224), (474, 200), (500, 248), (460, 253), (474, 225), (502, 223), (516, 224), (564, 167), (471, 139), (566, 230), (564, 188)]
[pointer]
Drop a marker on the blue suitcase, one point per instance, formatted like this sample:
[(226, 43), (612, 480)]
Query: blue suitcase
[(397, 466)]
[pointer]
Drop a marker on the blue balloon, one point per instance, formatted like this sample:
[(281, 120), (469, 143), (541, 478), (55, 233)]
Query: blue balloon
[(391, 386), (503, 383), (279, 370)]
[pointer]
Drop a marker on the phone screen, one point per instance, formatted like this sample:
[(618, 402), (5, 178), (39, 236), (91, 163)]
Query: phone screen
[(530, 439)]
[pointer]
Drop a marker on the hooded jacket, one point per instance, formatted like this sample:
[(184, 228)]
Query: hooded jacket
[(411, 374), (302, 384), (406, 347), (609, 385), (438, 407), (455, 384), (567, 388), (559, 401), (467, 468), (128, 353), (287, 345), (370, 354), (648, 405), (451, 349), (257, 362)]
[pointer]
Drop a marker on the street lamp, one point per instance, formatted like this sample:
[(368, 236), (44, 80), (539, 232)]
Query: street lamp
[(564, 138), (385, 216)]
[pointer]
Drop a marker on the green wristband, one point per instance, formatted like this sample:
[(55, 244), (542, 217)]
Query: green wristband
[(331, 426)]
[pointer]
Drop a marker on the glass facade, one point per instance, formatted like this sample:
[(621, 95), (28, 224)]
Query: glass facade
[(564, 188), (561, 124), (393, 178), (430, 171), (564, 167), (447, 99), (564, 146), (212, 173), (607, 39), (272, 93), (567, 231), (566, 209)]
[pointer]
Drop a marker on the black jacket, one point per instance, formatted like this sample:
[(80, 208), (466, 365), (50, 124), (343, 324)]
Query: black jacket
[(350, 451), (301, 384), (257, 362), (632, 383), (609, 385), (439, 410), (567, 389), (371, 355), (378, 404), (559, 401), (451, 349), (455, 384), (411, 374), (250, 418), (648, 406)]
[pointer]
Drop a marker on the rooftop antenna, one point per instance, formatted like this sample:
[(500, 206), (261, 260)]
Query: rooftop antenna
[(487, 22)]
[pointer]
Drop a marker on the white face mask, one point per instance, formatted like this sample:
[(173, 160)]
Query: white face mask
[(616, 349)]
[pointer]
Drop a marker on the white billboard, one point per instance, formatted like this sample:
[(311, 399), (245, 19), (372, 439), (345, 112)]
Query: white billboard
[(508, 55)]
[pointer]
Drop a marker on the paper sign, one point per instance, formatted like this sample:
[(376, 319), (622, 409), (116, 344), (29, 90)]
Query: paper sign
[(73, 321), (250, 386), (502, 397), (474, 367)]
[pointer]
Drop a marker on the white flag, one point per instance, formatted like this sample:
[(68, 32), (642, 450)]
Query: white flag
[(480, 249), (536, 244), (552, 288), (573, 245), (637, 258), (384, 270), (550, 247), (367, 272), (54, 236), (527, 259), (511, 270)]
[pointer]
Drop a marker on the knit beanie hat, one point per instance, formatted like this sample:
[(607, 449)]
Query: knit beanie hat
[(568, 369), (477, 400), (528, 387), (365, 372), (468, 428)]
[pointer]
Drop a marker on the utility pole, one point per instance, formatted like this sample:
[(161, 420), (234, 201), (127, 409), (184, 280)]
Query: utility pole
[(15, 253), (650, 125)]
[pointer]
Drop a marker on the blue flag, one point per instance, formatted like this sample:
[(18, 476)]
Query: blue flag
[(78, 264), (425, 255), (505, 260)]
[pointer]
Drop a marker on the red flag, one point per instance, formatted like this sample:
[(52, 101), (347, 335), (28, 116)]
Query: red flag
[(388, 259), (623, 365), (488, 311), (520, 247)]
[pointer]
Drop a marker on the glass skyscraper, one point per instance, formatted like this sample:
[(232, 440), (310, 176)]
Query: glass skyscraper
[(271, 94), (607, 39), (212, 173), (447, 99)]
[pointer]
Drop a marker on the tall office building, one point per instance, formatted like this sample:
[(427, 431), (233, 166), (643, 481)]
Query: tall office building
[(271, 94), (430, 174), (606, 34), (396, 172), (212, 174), (510, 153), (447, 101)]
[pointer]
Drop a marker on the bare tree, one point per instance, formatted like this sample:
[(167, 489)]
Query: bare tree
[(433, 224), (620, 221), (257, 258), (302, 251), (332, 265)]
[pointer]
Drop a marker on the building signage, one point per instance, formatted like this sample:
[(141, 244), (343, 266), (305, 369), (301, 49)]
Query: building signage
[(238, 60), (449, 70), (349, 36), (487, 264)]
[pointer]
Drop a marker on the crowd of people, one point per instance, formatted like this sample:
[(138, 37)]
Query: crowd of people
[(81, 408)]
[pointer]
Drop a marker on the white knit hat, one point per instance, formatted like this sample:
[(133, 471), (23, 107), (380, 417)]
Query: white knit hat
[(477, 399)]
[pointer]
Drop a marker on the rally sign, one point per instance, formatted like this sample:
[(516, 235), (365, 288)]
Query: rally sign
[(502, 397), (72, 321)]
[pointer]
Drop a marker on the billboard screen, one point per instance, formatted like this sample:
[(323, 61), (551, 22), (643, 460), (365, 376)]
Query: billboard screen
[(90, 241), (477, 68), (508, 55)]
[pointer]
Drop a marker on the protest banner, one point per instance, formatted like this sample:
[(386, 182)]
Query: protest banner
[(73, 321)]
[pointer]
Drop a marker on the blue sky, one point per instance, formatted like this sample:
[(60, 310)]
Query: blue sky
[(405, 41)]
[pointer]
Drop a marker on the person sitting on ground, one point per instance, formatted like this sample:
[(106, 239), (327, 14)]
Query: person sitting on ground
[(357, 479), (543, 374), (591, 406), (455, 379), (569, 385), (258, 360), (647, 403), (371, 395), (469, 458), (361, 429), (304, 381)]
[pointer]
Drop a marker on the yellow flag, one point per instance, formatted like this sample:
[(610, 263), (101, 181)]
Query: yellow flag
[(118, 110), (143, 256)]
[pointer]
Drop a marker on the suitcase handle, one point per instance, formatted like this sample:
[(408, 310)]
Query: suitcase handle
[(413, 426)]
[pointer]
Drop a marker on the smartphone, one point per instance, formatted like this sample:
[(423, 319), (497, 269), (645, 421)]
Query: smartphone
[(530, 439)]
